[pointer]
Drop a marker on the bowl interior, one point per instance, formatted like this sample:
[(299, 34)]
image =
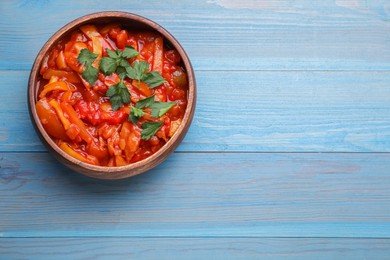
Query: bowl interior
[(132, 22)]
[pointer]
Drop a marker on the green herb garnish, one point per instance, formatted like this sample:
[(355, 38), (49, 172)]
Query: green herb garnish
[(86, 58), (153, 79), (137, 72), (129, 52), (135, 114), (119, 95), (158, 108), (117, 60), (149, 129), (146, 102)]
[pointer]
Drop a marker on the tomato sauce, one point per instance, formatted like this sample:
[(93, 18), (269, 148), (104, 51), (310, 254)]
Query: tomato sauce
[(79, 116)]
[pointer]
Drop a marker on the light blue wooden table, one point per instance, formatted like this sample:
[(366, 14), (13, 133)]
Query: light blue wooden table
[(288, 155)]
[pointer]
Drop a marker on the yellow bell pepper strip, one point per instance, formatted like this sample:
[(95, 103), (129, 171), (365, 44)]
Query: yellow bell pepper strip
[(65, 122), (130, 139), (60, 61), (60, 85), (90, 31), (98, 42), (77, 47), (174, 126), (119, 161), (158, 55), (49, 119), (73, 132), (106, 130), (97, 48), (67, 96), (69, 76), (132, 144), (74, 118), (113, 144), (52, 79), (97, 149), (87, 158), (125, 132)]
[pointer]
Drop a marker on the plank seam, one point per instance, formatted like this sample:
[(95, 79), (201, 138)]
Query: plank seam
[(193, 237)]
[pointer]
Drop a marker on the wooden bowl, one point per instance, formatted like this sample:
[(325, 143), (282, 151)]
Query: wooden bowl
[(130, 21)]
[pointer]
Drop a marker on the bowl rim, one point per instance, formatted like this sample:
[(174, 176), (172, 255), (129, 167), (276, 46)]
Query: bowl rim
[(112, 172)]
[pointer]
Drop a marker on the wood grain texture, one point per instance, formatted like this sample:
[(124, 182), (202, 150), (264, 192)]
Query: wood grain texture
[(225, 34), (194, 248), (201, 194), (267, 111), (273, 77)]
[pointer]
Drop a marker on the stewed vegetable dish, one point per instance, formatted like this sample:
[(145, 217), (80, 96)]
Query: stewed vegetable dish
[(111, 96)]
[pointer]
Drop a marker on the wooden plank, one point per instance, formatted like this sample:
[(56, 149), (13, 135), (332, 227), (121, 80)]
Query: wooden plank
[(194, 248), (201, 194), (332, 35), (262, 111)]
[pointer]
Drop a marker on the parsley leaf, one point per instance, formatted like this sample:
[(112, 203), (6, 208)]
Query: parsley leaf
[(135, 114), (116, 102), (149, 129), (86, 58), (113, 54), (153, 79), (121, 72), (107, 65), (146, 102), (160, 108), (124, 63), (90, 74), (117, 61), (129, 52), (119, 95), (137, 71)]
